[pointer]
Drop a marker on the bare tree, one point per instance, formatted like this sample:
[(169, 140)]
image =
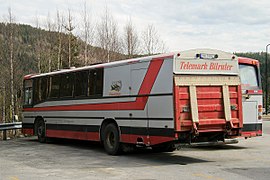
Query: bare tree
[(38, 45), (59, 25), (2, 81), (88, 34), (69, 28), (107, 35), (130, 39), (10, 25), (50, 27), (151, 42)]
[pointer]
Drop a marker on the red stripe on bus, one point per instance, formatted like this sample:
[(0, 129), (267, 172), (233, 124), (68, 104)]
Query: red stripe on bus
[(28, 131), (244, 60), (138, 104), (250, 133), (151, 140), (254, 92), (91, 136), (240, 108), (94, 136)]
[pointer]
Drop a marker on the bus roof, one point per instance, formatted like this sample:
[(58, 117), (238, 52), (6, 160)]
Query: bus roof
[(101, 65), (245, 60), (186, 54)]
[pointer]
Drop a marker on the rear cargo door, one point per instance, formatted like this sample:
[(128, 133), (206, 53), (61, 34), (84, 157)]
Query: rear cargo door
[(209, 101)]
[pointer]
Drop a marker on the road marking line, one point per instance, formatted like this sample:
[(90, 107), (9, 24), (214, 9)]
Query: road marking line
[(13, 178), (205, 176)]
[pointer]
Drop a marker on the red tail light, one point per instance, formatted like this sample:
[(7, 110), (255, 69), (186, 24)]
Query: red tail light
[(260, 111)]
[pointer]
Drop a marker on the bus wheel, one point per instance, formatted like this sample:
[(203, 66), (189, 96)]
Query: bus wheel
[(111, 139), (41, 131)]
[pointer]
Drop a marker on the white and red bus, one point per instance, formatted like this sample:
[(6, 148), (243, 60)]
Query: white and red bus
[(157, 101), (252, 96)]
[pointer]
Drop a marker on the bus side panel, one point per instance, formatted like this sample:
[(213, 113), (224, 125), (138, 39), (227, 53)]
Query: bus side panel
[(28, 123), (82, 118), (154, 124), (252, 126), (133, 123), (160, 108)]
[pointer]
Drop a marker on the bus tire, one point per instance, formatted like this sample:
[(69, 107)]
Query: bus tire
[(111, 139), (40, 129)]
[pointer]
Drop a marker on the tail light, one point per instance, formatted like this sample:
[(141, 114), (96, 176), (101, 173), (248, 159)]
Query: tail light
[(260, 112)]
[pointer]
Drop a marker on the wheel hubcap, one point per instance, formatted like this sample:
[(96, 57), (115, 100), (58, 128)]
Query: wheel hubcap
[(110, 140), (40, 130)]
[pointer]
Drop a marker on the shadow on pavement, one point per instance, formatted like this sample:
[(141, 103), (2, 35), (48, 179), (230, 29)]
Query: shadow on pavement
[(220, 147), (134, 158)]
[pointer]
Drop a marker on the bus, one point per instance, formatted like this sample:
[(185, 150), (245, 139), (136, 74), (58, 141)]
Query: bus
[(252, 97), (156, 102)]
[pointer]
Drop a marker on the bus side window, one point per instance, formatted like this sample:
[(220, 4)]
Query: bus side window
[(99, 82), (44, 88), (28, 96), (96, 82), (54, 86), (81, 83), (37, 94), (28, 93), (40, 89), (67, 85)]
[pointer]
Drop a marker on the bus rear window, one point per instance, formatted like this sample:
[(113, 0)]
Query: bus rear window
[(249, 75)]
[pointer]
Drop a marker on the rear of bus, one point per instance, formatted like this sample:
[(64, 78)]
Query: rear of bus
[(252, 97), (207, 96)]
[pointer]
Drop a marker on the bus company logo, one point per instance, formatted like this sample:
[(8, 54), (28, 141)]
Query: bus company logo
[(116, 87), (214, 66)]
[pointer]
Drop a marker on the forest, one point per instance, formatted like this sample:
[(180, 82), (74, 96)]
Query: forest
[(55, 45), (26, 49)]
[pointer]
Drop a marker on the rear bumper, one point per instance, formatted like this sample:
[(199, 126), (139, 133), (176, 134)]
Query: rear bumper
[(213, 143), (252, 130), (249, 134)]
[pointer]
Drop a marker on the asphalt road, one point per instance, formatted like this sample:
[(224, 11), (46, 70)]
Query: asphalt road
[(27, 159)]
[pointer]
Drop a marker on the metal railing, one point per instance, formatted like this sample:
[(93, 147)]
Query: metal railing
[(9, 126)]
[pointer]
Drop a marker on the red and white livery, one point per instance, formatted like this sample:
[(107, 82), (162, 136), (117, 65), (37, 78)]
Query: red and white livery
[(252, 96), (187, 97)]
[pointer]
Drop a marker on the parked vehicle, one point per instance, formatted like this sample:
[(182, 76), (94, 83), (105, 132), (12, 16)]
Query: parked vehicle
[(157, 101)]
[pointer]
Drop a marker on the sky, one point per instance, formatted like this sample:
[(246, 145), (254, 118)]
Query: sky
[(228, 25)]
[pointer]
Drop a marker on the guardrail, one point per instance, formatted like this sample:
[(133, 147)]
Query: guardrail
[(9, 126)]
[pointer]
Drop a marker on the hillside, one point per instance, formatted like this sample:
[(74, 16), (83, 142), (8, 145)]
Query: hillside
[(37, 50), (34, 44)]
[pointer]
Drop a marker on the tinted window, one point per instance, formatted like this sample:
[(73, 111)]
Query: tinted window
[(67, 81), (81, 83), (27, 92), (44, 88), (95, 82), (37, 93), (99, 82), (40, 89), (54, 86)]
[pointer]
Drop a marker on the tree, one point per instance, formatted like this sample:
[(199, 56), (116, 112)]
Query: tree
[(59, 25), (3, 79), (50, 28), (69, 28), (88, 34), (107, 36), (130, 39), (11, 29), (38, 45), (151, 42)]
